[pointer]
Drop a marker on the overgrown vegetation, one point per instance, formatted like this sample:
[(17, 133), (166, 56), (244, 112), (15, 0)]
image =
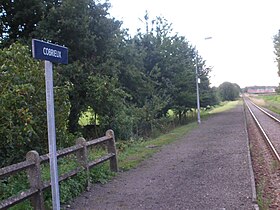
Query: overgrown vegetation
[(130, 154), (23, 108), (224, 106), (128, 84), (271, 102)]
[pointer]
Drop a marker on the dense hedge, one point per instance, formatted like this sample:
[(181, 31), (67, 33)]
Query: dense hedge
[(23, 124)]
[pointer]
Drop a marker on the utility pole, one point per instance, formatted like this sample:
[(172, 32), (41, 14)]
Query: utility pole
[(197, 84), (197, 89)]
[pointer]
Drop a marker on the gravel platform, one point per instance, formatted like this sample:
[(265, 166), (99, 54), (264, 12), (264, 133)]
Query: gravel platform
[(207, 169)]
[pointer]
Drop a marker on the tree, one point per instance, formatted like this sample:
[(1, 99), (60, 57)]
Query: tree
[(18, 19), (229, 91), (92, 37), (129, 84), (169, 63), (154, 46), (276, 42)]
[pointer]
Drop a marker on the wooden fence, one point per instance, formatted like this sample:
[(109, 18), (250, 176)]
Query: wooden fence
[(33, 162)]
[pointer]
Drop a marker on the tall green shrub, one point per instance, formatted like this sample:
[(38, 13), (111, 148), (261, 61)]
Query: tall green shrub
[(23, 124)]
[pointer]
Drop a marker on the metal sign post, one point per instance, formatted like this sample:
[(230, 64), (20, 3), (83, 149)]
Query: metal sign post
[(55, 53), (51, 134)]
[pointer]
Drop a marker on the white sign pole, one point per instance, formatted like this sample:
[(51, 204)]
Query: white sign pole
[(51, 135)]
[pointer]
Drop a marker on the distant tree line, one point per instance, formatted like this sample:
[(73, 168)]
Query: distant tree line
[(126, 83), (229, 91), (276, 42)]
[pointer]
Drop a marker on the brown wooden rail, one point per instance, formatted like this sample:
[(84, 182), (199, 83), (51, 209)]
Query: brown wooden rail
[(33, 162)]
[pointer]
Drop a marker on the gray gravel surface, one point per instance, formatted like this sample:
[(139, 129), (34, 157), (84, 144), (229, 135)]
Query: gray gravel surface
[(266, 173), (270, 126), (207, 169)]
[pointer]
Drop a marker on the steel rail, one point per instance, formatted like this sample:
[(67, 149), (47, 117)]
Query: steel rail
[(271, 146)]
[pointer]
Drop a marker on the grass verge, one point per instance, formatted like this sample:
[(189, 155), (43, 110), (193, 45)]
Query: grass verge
[(224, 106), (134, 152), (271, 102)]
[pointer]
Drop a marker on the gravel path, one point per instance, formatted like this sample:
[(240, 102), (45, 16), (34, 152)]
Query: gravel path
[(207, 169)]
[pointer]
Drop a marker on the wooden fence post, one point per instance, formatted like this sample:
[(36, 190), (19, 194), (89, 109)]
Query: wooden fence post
[(35, 180), (82, 157), (112, 149)]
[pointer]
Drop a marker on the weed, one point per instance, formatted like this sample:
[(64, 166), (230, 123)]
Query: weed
[(271, 102), (263, 202), (275, 166)]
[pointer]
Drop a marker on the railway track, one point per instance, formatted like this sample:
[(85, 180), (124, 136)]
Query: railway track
[(268, 124)]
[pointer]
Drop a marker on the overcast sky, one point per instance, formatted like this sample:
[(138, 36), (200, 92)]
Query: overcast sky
[(241, 50)]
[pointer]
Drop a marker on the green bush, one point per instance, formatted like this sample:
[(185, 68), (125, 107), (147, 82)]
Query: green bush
[(23, 125)]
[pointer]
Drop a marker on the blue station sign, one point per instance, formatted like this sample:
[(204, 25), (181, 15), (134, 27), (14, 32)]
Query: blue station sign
[(50, 52)]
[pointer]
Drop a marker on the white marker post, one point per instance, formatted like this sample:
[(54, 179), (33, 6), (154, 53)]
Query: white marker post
[(55, 53)]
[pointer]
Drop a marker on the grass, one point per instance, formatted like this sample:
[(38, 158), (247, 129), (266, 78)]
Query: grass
[(274, 166), (130, 155), (271, 102), (224, 106), (137, 151), (274, 98), (262, 201), (133, 152)]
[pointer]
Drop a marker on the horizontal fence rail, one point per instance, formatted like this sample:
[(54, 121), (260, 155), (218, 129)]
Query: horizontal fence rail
[(33, 162)]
